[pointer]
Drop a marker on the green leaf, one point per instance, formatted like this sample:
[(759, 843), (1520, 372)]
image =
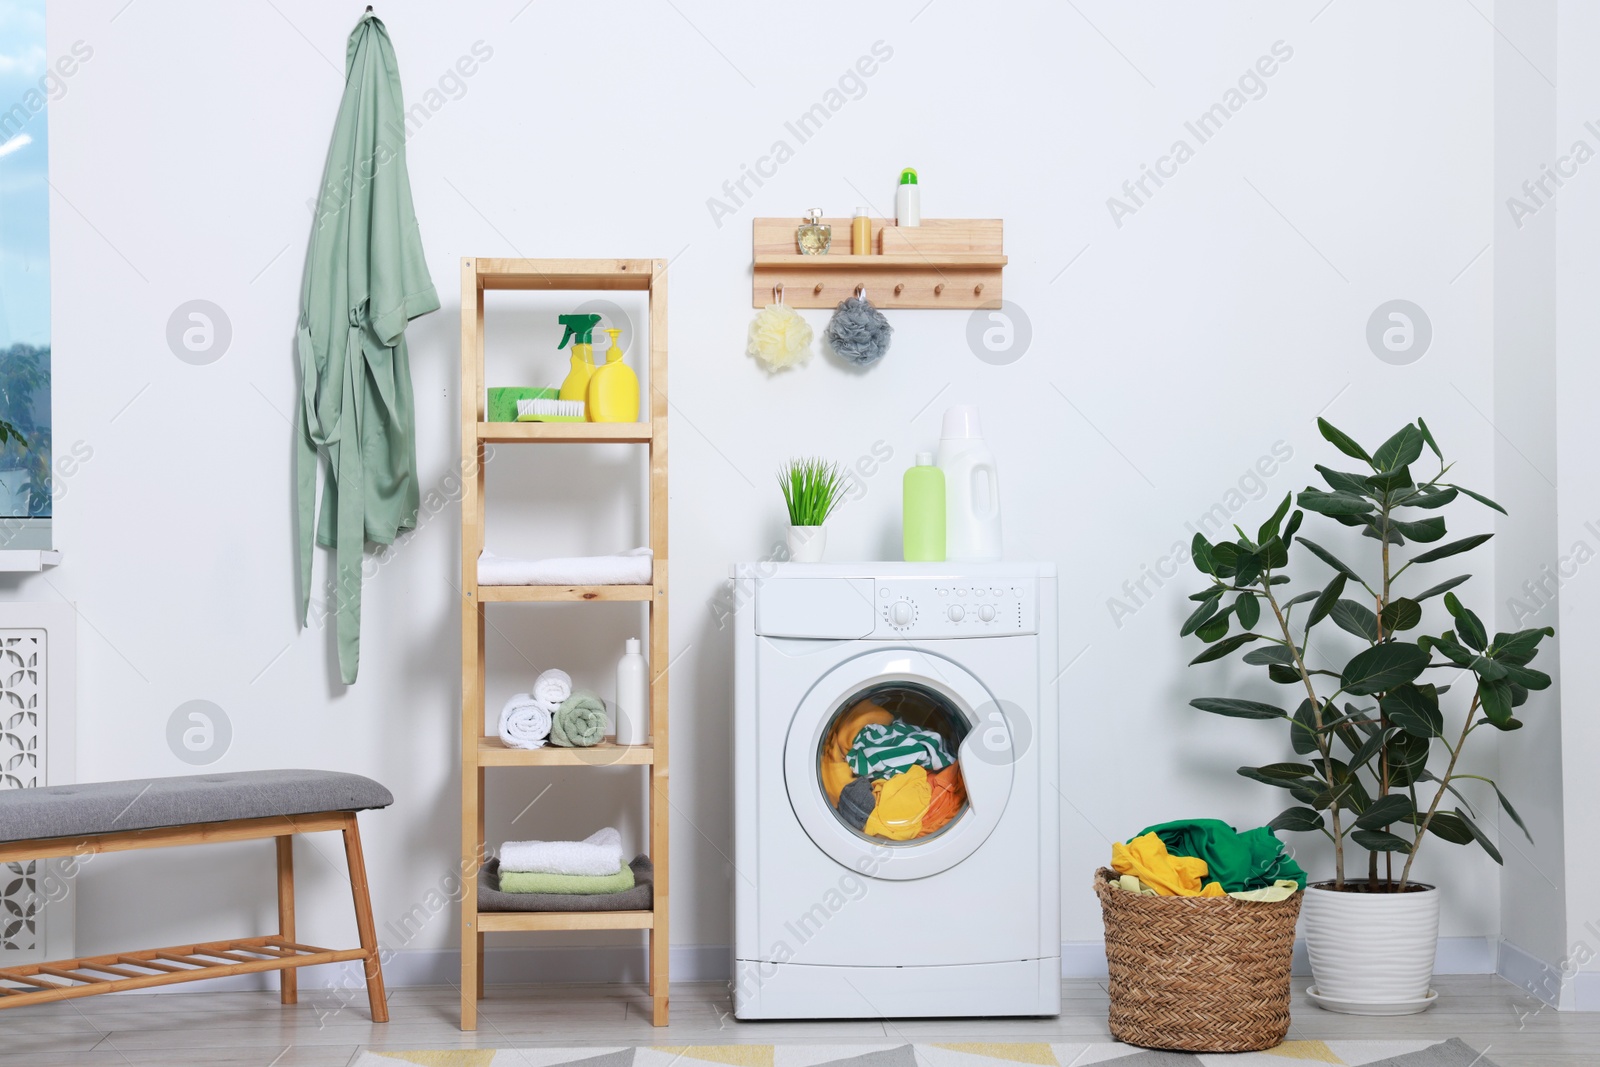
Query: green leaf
[(1213, 628), (1223, 557), (1390, 533), (1480, 498), (1326, 601), (1282, 775), (1342, 441), (1481, 837), (1380, 841), (1248, 609), (1526, 677), (1407, 756), (1454, 548), (1355, 618), (1400, 450), (1429, 776), (1207, 608), (1488, 670), (1505, 804), (1415, 709), (1450, 827), (1239, 709), (1447, 644), (1519, 648), (1330, 559), (1334, 503), (1389, 481), (1290, 530), (1433, 498), (1303, 730), (1269, 529), (1396, 807), (1260, 657), (1433, 591), (1382, 667), (1200, 552), (1401, 614), (1423, 530), (1343, 481), (1361, 756), (1283, 674), (1274, 554), (1247, 569), (1427, 435), (1495, 699), (1297, 819)]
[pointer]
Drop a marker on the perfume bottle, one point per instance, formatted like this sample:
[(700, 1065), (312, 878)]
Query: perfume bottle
[(813, 235)]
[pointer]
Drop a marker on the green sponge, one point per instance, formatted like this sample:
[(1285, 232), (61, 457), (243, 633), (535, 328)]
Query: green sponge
[(503, 400)]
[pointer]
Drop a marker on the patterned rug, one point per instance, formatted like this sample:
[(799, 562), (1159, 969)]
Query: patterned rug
[(1451, 1053)]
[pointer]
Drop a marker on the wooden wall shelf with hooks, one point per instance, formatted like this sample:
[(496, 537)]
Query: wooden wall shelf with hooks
[(944, 263)]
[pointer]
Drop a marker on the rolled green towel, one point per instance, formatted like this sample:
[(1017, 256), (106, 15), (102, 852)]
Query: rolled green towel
[(529, 882), (579, 722)]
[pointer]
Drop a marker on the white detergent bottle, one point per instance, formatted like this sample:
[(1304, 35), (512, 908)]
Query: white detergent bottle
[(971, 488), (633, 695)]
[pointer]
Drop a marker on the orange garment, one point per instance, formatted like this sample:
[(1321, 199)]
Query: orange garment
[(949, 793), (901, 803), (1147, 859), (835, 772)]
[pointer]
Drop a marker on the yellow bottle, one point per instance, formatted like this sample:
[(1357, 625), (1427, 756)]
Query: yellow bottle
[(613, 388), (579, 330)]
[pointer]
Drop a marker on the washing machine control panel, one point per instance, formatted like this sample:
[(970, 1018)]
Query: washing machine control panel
[(946, 607)]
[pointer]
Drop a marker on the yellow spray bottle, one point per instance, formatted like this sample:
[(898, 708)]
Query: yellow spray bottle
[(613, 388), (580, 330)]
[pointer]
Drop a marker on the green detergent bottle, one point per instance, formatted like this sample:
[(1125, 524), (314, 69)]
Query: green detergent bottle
[(922, 505)]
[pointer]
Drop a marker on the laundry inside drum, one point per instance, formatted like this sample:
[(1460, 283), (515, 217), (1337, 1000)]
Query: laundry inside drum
[(888, 763)]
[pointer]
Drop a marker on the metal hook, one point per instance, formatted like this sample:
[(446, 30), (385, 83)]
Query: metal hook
[(777, 293)]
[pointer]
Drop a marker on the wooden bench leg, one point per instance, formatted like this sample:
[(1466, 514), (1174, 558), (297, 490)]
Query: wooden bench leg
[(364, 925), (288, 985)]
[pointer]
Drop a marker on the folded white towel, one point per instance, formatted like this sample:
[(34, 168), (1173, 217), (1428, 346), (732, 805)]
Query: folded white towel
[(552, 687), (627, 568), (525, 721), (598, 854)]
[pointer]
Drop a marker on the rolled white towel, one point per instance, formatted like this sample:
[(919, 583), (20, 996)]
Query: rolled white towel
[(525, 721), (552, 686), (598, 854)]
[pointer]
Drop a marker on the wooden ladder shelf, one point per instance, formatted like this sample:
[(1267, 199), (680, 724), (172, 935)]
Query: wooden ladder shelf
[(480, 747)]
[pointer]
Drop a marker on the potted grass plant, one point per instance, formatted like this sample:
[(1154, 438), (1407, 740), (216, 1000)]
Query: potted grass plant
[(1378, 768), (812, 489)]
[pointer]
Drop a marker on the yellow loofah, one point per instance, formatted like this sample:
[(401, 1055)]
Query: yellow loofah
[(779, 337)]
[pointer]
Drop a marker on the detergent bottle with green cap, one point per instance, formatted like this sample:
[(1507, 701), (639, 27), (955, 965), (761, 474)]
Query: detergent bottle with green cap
[(580, 330), (908, 200), (613, 388)]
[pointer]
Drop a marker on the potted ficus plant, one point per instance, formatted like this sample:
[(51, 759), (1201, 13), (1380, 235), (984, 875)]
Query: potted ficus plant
[(1379, 771), (812, 489)]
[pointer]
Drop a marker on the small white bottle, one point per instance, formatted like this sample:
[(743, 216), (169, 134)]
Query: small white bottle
[(633, 696), (908, 200)]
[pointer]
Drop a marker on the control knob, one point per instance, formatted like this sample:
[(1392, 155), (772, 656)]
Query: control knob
[(986, 613), (957, 613), (901, 613)]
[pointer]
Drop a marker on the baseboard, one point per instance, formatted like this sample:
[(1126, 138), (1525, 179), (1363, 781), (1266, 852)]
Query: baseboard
[(1533, 975), (713, 963)]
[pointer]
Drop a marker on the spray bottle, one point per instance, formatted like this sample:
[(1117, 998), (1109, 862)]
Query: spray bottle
[(580, 330)]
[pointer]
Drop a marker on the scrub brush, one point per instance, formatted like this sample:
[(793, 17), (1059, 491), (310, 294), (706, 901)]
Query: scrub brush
[(543, 410)]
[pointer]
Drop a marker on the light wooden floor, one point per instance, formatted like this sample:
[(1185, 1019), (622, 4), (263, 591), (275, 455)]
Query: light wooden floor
[(253, 1029)]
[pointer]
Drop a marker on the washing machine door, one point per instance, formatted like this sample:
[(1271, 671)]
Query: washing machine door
[(943, 720)]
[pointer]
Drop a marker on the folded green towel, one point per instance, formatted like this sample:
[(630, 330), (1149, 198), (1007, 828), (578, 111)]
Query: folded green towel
[(579, 722), (528, 882)]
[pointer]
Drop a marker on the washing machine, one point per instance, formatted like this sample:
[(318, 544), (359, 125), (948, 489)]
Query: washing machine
[(834, 919)]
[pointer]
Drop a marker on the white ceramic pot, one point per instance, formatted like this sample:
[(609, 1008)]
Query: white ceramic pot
[(1371, 953), (806, 543)]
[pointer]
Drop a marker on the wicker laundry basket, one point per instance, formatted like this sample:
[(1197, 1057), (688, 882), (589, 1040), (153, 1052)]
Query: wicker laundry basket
[(1197, 974)]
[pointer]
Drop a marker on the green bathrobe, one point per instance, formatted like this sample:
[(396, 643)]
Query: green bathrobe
[(365, 278)]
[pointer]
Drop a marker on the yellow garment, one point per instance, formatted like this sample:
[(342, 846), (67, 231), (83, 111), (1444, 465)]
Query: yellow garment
[(902, 801), (1282, 889), (835, 772), (1147, 859)]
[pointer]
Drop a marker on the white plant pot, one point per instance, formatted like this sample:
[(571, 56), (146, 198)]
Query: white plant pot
[(806, 543), (1371, 953)]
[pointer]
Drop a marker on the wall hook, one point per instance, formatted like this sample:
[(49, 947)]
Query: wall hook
[(938, 290), (861, 292), (777, 293), (977, 290), (818, 290), (899, 288)]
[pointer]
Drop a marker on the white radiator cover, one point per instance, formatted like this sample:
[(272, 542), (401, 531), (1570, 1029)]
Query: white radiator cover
[(37, 747)]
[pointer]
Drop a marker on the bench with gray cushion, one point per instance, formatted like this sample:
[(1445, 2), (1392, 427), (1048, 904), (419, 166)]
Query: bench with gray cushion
[(84, 820)]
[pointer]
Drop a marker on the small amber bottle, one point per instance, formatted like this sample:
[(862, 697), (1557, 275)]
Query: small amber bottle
[(861, 233)]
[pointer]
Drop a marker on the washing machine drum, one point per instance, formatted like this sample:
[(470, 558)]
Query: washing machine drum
[(914, 739)]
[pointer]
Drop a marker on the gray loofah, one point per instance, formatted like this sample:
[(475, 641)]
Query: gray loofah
[(858, 332)]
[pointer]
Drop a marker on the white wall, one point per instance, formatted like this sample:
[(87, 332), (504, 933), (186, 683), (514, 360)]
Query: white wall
[(1168, 355)]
